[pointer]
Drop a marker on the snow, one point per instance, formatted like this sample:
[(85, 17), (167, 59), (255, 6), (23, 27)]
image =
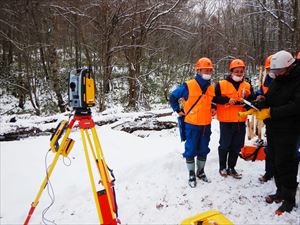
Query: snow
[(151, 181)]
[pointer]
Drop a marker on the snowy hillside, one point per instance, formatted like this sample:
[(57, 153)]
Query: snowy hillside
[(151, 182)]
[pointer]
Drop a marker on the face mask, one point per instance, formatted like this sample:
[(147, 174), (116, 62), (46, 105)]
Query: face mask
[(236, 78), (206, 76), (272, 75)]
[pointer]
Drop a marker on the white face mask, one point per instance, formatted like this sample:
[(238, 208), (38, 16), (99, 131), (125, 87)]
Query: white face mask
[(272, 75), (206, 76), (236, 78)]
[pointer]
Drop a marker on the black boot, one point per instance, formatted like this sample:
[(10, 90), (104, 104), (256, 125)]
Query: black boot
[(273, 198), (289, 201), (264, 178), (277, 197), (286, 206), (202, 176), (232, 172)]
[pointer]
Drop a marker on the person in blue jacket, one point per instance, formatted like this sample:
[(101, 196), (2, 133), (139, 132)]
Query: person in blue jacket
[(196, 95)]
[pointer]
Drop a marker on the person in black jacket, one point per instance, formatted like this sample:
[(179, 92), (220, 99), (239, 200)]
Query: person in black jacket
[(281, 114)]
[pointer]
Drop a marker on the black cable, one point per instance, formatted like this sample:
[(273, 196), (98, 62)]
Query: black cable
[(51, 195)]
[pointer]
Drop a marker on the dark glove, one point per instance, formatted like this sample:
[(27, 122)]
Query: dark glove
[(259, 104), (247, 107)]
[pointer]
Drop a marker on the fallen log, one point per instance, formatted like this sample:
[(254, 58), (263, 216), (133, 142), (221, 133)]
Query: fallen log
[(147, 121)]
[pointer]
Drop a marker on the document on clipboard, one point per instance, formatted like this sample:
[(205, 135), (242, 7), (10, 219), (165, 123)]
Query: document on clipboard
[(249, 104)]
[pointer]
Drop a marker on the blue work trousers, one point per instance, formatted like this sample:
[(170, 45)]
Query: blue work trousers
[(197, 141), (232, 138)]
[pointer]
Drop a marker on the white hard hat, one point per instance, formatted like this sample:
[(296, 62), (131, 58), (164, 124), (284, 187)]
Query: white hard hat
[(281, 59)]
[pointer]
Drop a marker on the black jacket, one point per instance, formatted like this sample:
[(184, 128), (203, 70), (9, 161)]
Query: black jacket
[(283, 98)]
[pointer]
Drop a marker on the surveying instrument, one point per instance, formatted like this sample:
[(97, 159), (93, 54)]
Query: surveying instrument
[(81, 97)]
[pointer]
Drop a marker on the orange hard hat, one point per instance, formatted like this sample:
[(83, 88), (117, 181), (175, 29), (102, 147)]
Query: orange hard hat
[(204, 63), (268, 62), (298, 55), (236, 63)]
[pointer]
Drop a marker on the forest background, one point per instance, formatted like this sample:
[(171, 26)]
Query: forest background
[(138, 49)]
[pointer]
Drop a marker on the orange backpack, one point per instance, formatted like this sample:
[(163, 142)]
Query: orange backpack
[(253, 153)]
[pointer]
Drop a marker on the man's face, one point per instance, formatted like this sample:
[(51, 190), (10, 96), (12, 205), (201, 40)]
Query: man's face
[(279, 72), (206, 71), (238, 71)]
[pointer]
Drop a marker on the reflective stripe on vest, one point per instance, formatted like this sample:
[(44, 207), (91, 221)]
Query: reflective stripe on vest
[(229, 113), (201, 112)]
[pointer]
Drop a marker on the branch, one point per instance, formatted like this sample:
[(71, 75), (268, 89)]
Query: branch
[(162, 14), (275, 16), (15, 43), (122, 47), (13, 84)]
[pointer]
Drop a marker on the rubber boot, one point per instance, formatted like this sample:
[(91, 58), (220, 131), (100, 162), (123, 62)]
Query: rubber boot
[(190, 163), (192, 179), (200, 169)]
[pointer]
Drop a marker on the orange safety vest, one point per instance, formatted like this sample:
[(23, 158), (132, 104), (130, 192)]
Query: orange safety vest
[(229, 113), (263, 87), (201, 113)]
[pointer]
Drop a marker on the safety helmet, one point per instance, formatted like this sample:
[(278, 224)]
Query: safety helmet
[(204, 63), (236, 63), (268, 62), (281, 59)]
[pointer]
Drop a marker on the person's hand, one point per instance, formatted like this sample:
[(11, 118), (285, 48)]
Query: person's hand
[(213, 111), (260, 104), (263, 114), (260, 98), (232, 101), (181, 113)]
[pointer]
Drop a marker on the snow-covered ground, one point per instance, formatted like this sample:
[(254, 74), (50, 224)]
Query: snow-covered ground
[(151, 182)]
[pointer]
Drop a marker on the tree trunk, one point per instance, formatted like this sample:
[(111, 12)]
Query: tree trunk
[(132, 98), (76, 43), (296, 25), (278, 7), (30, 85), (262, 27), (54, 65)]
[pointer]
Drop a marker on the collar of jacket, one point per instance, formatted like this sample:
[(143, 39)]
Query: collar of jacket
[(235, 84), (204, 84), (268, 81)]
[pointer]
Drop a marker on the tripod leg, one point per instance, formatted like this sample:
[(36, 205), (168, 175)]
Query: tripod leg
[(49, 172), (92, 149), (91, 175), (104, 172)]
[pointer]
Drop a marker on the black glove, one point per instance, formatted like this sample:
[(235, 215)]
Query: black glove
[(247, 107), (259, 104)]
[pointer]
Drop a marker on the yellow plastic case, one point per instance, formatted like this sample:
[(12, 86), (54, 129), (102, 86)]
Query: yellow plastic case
[(211, 217)]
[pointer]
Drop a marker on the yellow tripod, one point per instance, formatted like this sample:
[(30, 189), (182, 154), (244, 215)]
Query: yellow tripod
[(105, 199)]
